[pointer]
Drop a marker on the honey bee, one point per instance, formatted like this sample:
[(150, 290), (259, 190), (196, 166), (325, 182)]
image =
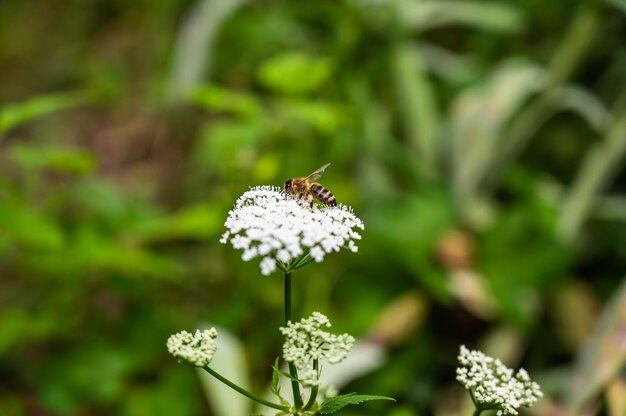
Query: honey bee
[(302, 188)]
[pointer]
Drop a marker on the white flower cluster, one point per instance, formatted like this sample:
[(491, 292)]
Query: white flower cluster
[(282, 231), (492, 384), (306, 342), (196, 349)]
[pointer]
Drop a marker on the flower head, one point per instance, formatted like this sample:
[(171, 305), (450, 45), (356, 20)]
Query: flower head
[(493, 384), (306, 344), (285, 233), (196, 349)]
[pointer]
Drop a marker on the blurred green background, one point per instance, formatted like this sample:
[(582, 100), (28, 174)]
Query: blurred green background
[(482, 143)]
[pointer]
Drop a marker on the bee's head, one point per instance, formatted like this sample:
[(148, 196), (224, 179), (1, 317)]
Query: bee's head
[(288, 186)]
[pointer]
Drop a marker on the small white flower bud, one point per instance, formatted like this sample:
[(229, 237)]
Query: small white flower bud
[(196, 349), (306, 342), (493, 384)]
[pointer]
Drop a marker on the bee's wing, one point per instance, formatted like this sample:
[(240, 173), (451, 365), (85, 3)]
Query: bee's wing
[(318, 172)]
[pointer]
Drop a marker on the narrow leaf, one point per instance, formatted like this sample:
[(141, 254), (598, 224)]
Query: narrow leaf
[(14, 115), (332, 404), (603, 356), (276, 377)]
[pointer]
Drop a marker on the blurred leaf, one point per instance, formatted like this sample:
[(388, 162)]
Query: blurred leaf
[(228, 145), (241, 104), (616, 397), (619, 4), (401, 319), (574, 328), (193, 48), (365, 357), (14, 115), (327, 117), (96, 252), (173, 395), (99, 197), (425, 15), (447, 64), (196, 222), (518, 256), (408, 231), (584, 103), (53, 158), (294, 73), (599, 167), (471, 290), (610, 207), (94, 375), (19, 327), (418, 105), (22, 225), (603, 356), (480, 115)]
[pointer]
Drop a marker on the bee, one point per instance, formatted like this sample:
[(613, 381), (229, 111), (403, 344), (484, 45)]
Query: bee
[(302, 188)]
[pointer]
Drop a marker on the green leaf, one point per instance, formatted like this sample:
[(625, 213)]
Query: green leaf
[(492, 16), (326, 117), (23, 225), (193, 53), (243, 104), (276, 378), (14, 115), (199, 222), (54, 158), (294, 73), (332, 404)]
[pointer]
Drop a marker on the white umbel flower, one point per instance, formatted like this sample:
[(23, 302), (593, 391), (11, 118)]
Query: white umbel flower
[(307, 343), (196, 349), (493, 385), (286, 233)]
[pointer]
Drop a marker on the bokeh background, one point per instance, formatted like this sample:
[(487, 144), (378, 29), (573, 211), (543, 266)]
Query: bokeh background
[(481, 142)]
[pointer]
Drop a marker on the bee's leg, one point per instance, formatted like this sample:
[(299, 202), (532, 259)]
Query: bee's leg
[(309, 198)]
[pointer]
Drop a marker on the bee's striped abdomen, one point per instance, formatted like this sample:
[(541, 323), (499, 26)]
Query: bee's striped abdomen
[(323, 195)]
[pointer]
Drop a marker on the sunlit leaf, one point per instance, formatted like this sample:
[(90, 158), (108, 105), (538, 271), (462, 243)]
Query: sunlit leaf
[(294, 73)]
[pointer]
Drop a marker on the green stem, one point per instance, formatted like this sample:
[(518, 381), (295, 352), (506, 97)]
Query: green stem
[(244, 391), (477, 412), (314, 390), (297, 399)]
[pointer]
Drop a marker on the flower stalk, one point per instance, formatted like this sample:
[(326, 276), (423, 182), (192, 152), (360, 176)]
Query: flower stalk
[(244, 391), (314, 390), (295, 386)]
